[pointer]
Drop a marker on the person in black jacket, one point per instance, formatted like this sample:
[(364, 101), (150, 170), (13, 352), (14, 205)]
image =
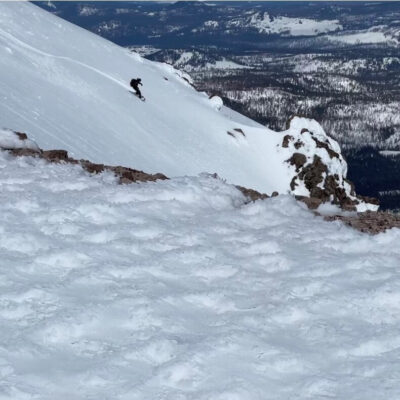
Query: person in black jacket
[(135, 85)]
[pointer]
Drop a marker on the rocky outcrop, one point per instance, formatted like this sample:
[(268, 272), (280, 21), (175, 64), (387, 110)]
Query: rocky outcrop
[(125, 175), (312, 174), (319, 168), (253, 195), (369, 222), (298, 160)]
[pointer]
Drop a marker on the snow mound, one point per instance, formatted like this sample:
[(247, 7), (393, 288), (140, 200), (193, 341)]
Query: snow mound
[(178, 290), (216, 102), (15, 140)]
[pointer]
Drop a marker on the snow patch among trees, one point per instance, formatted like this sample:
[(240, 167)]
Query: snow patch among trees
[(266, 23)]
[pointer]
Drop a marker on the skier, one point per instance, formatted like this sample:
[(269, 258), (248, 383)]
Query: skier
[(135, 85)]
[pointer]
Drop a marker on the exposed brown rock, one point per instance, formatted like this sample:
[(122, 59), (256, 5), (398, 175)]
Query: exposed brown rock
[(371, 200), (293, 183), (298, 160), (55, 155), (21, 135), (274, 194), (311, 202), (91, 167), (369, 222), (286, 140), (298, 144), (312, 174), (132, 175), (251, 194), (24, 152), (160, 176), (331, 153)]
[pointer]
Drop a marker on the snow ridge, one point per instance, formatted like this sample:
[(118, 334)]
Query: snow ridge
[(74, 95)]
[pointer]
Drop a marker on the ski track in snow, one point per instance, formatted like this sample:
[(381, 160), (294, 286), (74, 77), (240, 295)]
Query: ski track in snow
[(178, 290), (37, 51)]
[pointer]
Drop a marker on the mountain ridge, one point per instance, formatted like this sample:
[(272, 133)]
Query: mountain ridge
[(76, 96)]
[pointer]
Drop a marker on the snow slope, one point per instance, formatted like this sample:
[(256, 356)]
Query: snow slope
[(68, 88), (177, 290), (73, 94)]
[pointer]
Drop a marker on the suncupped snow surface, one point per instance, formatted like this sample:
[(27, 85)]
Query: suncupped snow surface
[(179, 290)]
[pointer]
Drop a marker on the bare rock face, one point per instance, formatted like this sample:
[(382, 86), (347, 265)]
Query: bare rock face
[(55, 155), (319, 168), (298, 160)]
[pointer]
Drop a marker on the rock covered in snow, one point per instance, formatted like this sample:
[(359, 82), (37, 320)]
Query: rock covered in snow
[(216, 102), (319, 168), (10, 140)]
